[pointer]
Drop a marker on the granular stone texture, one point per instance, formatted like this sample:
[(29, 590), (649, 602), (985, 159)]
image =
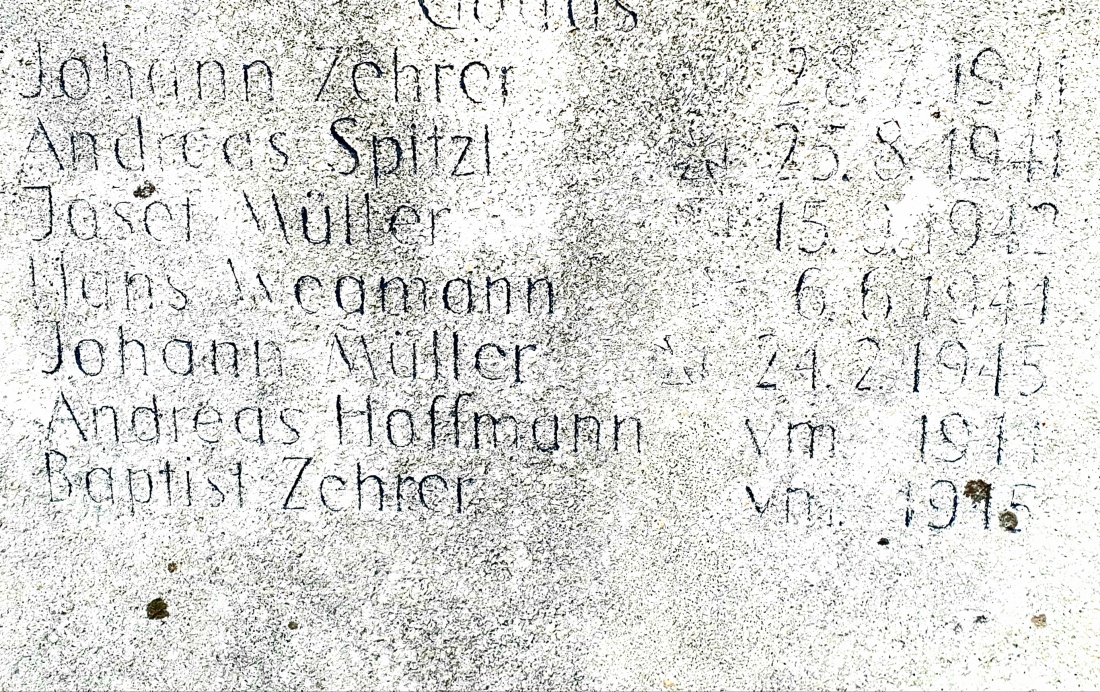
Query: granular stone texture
[(558, 344)]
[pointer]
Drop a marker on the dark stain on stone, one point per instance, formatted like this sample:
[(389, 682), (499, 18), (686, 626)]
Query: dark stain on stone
[(1039, 620), (1008, 520), (172, 567), (144, 190), (981, 620), (936, 115), (292, 625), (977, 491), (884, 541), (157, 609)]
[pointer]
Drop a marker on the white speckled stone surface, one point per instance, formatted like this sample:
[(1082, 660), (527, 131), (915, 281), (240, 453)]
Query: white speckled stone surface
[(548, 345)]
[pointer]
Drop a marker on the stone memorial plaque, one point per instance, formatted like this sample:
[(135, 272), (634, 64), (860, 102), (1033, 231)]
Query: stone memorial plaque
[(549, 344)]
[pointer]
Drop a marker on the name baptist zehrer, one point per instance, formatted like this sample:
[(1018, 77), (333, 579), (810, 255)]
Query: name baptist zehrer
[(303, 484)]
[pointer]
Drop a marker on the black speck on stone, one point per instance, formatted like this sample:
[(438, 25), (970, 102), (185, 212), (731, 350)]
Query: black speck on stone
[(157, 609), (144, 190), (1008, 520), (884, 541)]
